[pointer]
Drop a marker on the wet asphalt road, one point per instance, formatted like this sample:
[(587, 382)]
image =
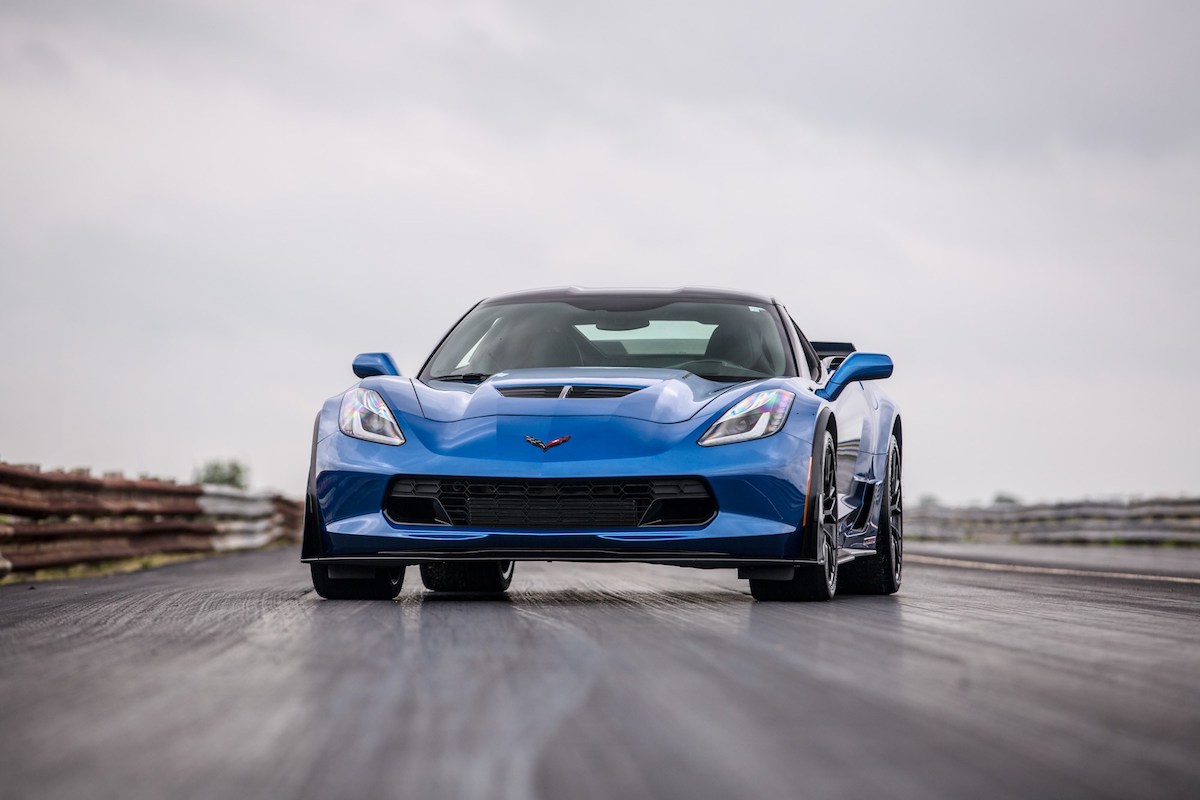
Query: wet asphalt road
[(230, 678)]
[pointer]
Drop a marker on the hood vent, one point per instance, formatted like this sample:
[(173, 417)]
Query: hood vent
[(531, 391), (593, 392), (600, 391)]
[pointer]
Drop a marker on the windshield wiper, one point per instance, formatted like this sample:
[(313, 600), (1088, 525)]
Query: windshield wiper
[(465, 377)]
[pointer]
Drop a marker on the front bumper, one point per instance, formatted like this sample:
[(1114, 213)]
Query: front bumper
[(759, 487)]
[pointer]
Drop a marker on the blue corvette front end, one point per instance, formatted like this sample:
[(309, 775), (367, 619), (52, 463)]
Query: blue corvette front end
[(691, 427), (589, 498)]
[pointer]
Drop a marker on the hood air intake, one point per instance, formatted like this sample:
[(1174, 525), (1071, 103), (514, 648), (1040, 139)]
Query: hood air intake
[(531, 391), (582, 392)]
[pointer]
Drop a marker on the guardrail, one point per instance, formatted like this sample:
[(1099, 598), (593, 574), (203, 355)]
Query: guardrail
[(55, 519), (1156, 521)]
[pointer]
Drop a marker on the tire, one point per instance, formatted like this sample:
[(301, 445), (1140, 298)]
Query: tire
[(476, 577), (384, 584), (882, 572), (813, 581)]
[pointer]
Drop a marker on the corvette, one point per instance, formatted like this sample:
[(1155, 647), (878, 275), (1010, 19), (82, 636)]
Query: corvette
[(691, 427)]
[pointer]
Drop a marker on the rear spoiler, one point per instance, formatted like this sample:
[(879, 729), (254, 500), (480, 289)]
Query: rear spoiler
[(833, 353)]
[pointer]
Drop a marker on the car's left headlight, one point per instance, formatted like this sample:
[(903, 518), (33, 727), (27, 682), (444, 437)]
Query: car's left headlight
[(366, 416), (761, 414)]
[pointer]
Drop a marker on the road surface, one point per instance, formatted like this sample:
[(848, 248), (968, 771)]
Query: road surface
[(229, 678)]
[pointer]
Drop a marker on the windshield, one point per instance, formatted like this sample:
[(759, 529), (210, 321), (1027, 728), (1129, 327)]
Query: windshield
[(716, 340)]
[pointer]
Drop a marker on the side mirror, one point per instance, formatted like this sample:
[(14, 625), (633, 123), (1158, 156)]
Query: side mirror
[(856, 367), (367, 365)]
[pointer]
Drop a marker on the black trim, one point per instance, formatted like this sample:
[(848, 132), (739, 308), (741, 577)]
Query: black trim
[(863, 517), (310, 539), (711, 560), (826, 349), (783, 318), (577, 392), (597, 392), (421, 373), (808, 537), (810, 353), (575, 294), (530, 391)]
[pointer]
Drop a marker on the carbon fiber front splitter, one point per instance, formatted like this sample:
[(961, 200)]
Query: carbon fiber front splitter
[(691, 559)]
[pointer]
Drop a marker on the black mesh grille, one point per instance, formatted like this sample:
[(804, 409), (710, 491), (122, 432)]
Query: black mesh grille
[(569, 504)]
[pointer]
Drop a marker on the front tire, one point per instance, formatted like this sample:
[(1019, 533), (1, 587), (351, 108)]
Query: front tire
[(813, 581), (381, 584), (475, 577)]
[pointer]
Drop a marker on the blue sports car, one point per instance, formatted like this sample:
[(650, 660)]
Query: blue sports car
[(693, 427)]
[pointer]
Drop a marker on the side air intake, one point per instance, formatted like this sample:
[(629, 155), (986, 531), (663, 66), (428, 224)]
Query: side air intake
[(833, 353)]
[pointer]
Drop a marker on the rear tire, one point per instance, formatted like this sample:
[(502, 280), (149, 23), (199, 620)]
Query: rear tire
[(477, 577), (813, 581), (383, 584), (881, 573)]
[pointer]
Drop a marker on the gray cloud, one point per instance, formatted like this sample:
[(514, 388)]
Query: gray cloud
[(208, 208)]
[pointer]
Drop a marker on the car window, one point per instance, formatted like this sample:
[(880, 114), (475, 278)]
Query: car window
[(718, 340), (810, 353), (685, 337)]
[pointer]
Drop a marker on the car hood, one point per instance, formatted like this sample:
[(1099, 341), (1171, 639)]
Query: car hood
[(658, 395)]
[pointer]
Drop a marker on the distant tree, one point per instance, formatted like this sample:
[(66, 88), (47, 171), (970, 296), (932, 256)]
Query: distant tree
[(1005, 499), (223, 473), (928, 501)]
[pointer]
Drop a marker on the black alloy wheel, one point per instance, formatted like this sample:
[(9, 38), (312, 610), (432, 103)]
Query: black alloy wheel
[(813, 581)]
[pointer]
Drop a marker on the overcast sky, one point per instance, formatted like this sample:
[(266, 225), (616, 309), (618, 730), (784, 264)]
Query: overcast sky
[(208, 208)]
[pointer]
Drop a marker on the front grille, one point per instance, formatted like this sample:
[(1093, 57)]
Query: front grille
[(539, 504), (584, 392)]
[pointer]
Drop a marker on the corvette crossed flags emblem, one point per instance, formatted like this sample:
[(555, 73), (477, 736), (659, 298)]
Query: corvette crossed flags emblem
[(544, 446)]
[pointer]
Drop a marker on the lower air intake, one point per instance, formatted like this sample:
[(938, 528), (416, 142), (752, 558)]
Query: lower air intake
[(540, 504)]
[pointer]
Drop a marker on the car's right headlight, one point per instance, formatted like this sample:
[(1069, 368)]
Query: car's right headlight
[(365, 416), (756, 416)]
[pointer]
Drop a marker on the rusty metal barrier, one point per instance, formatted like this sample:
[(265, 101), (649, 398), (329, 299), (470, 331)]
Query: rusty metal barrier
[(56, 519), (1156, 521)]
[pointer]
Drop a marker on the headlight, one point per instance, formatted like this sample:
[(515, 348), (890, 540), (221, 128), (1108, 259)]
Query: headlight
[(754, 417), (366, 416)]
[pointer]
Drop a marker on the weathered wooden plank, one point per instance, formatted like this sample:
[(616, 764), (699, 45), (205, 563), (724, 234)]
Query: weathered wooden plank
[(62, 518)]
